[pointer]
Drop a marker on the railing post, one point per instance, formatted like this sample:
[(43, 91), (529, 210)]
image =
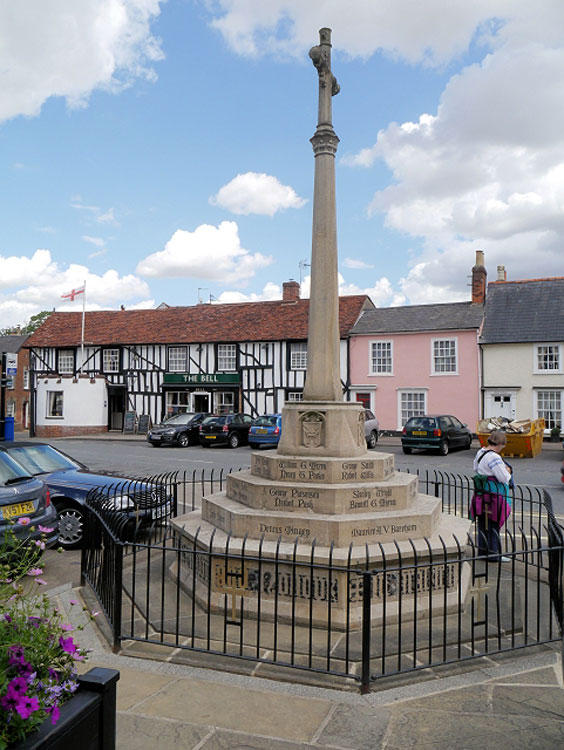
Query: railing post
[(118, 584), (366, 630)]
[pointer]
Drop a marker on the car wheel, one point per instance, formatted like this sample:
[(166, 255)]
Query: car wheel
[(443, 449), (372, 439), (468, 444), (233, 441), (71, 522), (183, 440), (406, 450)]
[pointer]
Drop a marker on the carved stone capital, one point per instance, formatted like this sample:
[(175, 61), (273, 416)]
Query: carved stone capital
[(325, 142)]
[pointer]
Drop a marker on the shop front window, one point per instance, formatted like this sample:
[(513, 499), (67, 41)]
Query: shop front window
[(224, 402)]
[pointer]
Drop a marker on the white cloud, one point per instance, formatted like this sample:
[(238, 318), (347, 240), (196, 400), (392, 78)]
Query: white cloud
[(271, 291), (98, 241), (209, 252), (107, 217), (72, 48), (31, 284), (256, 193), (356, 264)]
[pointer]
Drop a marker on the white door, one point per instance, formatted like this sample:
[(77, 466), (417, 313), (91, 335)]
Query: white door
[(500, 404)]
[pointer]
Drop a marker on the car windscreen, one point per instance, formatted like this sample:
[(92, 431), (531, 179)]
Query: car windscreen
[(264, 422), (40, 459), (180, 419), (215, 420), (10, 471), (421, 423)]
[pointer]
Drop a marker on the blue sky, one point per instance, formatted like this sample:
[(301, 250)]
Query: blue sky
[(160, 150)]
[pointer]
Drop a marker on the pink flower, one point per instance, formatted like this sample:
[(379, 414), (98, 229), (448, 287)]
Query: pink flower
[(45, 529), (40, 544), (67, 644), (40, 582), (27, 705), (66, 626), (34, 572), (54, 711), (24, 521)]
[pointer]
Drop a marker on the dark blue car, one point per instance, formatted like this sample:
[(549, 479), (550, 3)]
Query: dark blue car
[(70, 482)]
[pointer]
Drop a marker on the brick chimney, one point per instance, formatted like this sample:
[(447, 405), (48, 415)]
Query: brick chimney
[(290, 291), (479, 277)]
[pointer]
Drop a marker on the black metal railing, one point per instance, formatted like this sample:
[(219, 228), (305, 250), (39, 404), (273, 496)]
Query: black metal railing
[(408, 606)]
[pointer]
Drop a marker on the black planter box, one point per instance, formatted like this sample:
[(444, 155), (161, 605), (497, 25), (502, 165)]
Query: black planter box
[(87, 720)]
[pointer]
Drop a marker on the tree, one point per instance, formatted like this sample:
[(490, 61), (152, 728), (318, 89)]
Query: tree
[(35, 321)]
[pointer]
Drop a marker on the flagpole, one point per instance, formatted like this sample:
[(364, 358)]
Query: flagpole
[(82, 332)]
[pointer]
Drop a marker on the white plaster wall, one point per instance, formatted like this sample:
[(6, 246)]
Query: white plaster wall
[(84, 403), (512, 366)]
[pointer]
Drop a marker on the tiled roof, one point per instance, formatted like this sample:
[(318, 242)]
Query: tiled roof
[(11, 343), (454, 316), (522, 311), (245, 321)]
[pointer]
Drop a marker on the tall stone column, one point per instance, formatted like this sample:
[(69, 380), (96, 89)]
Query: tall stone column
[(323, 424), (323, 381)]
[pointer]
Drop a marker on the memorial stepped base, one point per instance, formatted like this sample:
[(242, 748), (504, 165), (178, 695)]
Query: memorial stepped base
[(290, 539)]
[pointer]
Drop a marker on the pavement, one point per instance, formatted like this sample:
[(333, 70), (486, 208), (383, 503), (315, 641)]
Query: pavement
[(508, 702)]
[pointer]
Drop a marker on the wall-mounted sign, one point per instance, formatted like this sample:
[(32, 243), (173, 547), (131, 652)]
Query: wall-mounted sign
[(201, 377), (11, 363)]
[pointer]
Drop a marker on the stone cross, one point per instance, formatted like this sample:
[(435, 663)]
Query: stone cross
[(323, 375)]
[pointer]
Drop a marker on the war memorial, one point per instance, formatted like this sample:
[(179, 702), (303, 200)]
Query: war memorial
[(322, 497)]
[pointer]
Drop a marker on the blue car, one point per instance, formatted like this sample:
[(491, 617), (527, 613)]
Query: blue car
[(265, 430), (70, 482)]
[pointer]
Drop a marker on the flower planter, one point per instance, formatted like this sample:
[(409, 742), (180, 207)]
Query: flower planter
[(87, 721)]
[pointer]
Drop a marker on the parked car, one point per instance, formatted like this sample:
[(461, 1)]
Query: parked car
[(435, 432), (70, 481), (180, 429), (265, 430), (371, 429), (225, 429), (24, 496)]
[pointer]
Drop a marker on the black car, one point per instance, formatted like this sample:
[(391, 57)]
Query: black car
[(181, 430), (25, 504), (439, 432), (70, 482), (225, 429)]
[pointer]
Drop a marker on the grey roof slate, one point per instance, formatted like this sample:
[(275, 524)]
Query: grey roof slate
[(450, 316), (13, 343), (523, 311)]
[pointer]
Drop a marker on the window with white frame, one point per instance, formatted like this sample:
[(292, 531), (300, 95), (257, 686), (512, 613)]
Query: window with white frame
[(298, 356), (548, 358), (549, 407), (295, 396), (26, 379), (412, 404), (11, 408), (224, 402), (110, 360), (65, 364), (444, 356), (54, 403), (177, 359), (381, 358), (226, 357)]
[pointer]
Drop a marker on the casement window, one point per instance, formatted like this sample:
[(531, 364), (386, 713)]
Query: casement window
[(549, 407), (54, 404), (110, 360), (548, 358), (65, 362), (177, 359), (226, 357), (11, 408), (444, 356), (26, 379), (411, 404), (135, 359), (295, 396), (381, 358), (224, 402), (298, 356)]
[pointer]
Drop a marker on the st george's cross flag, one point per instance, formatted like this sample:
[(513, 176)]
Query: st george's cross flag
[(70, 296)]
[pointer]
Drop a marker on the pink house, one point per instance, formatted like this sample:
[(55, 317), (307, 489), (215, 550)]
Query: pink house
[(420, 359)]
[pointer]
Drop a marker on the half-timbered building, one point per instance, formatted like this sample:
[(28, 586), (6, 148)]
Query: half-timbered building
[(249, 357)]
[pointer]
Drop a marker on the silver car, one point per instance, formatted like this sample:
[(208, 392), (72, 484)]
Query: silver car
[(371, 428)]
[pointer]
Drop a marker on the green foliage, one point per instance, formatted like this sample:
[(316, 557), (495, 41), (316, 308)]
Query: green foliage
[(35, 321)]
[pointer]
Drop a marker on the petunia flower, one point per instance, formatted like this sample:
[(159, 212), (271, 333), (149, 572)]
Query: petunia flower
[(55, 713), (27, 705), (17, 686)]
